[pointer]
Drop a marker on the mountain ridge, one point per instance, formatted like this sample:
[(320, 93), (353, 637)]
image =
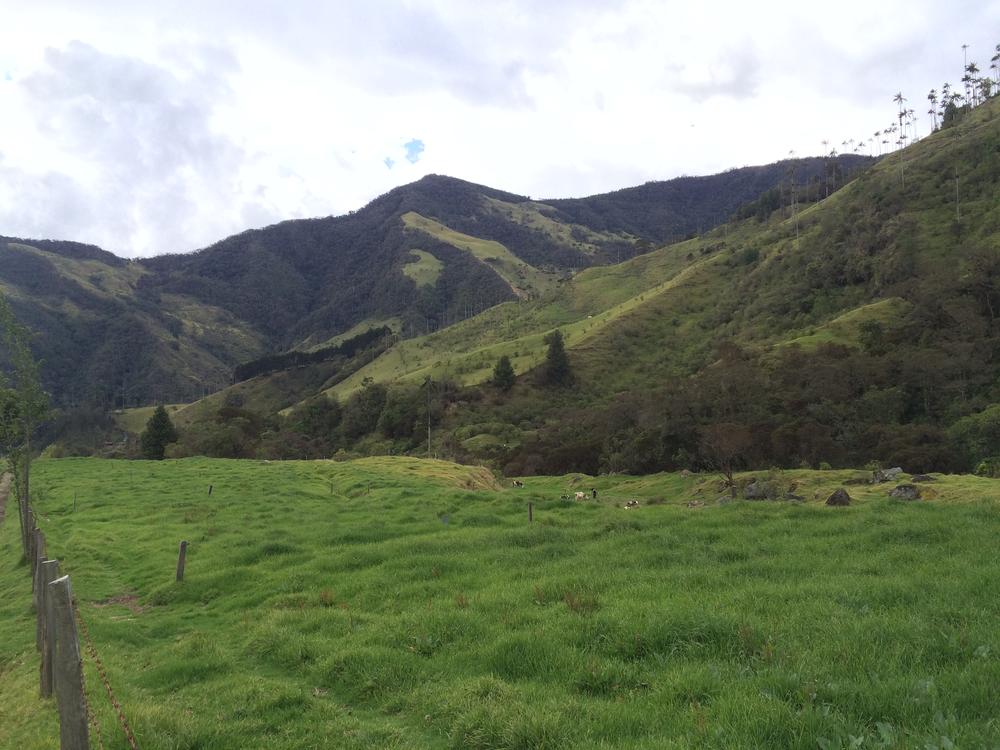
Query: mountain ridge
[(859, 326), (129, 332)]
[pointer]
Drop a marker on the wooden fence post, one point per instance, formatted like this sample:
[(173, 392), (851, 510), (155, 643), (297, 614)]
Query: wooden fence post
[(67, 668), (530, 516), (181, 555), (37, 585), (29, 526), (38, 543), (48, 571)]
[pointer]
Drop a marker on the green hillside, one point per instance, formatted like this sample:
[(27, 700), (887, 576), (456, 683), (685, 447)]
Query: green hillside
[(859, 327), (172, 328), (396, 602), (911, 226), (104, 342)]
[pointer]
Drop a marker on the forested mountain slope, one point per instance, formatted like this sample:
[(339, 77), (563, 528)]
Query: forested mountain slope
[(843, 329), (419, 258)]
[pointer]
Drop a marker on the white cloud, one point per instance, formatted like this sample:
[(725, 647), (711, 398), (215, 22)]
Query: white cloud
[(146, 129)]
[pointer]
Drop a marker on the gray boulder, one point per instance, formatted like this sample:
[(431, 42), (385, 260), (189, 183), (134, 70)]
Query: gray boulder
[(755, 491), (839, 497), (887, 475), (905, 492)]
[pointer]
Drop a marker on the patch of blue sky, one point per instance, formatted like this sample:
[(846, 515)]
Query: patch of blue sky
[(414, 149)]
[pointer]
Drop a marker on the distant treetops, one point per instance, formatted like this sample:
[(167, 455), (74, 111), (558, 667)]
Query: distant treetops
[(947, 107)]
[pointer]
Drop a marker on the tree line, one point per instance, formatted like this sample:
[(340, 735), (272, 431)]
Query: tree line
[(276, 362)]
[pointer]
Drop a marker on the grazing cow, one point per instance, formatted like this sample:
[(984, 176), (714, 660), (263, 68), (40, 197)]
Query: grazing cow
[(631, 504), (517, 483), (594, 493), (581, 495)]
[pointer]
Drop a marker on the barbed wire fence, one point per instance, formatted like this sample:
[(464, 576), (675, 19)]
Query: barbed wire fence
[(103, 673), (61, 671)]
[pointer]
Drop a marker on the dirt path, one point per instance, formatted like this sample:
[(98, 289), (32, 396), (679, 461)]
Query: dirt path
[(4, 490)]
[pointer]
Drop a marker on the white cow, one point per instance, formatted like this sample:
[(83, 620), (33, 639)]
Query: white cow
[(581, 495)]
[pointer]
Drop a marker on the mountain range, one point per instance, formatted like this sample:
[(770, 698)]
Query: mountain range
[(842, 324), (117, 332)]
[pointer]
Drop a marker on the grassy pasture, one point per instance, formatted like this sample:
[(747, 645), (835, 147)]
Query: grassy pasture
[(397, 602)]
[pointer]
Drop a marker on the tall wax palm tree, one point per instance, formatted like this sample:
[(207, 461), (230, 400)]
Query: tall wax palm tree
[(899, 99), (932, 98), (971, 82)]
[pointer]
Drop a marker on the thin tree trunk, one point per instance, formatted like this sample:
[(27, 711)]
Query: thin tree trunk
[(27, 466)]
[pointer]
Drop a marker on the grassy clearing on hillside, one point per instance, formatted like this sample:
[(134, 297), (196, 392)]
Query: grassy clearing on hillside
[(533, 215), (424, 269), (524, 279), (845, 329), (388, 603)]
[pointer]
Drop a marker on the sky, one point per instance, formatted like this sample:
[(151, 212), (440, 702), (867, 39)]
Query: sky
[(150, 127)]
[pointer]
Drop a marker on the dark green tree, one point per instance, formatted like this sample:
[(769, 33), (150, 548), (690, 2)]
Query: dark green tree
[(362, 410), (400, 413), (318, 417), (557, 370), (871, 336), (158, 434), (503, 374)]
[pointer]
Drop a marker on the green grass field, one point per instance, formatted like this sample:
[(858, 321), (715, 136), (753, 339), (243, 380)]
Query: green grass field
[(397, 602)]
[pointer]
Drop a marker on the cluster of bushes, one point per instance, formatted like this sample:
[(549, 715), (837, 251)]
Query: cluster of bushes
[(921, 406), (375, 419)]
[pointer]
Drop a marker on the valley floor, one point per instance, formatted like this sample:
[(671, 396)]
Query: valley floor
[(398, 602)]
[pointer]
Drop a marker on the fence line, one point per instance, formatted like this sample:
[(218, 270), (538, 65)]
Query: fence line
[(58, 642), (103, 673)]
